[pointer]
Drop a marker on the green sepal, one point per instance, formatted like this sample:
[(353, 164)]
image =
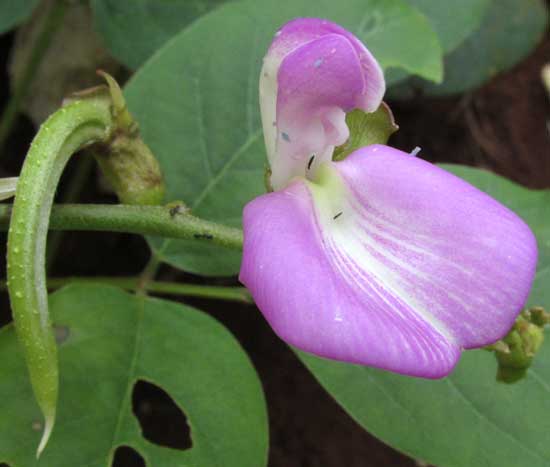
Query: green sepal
[(125, 160), (267, 179), (366, 129), (131, 169), (121, 116)]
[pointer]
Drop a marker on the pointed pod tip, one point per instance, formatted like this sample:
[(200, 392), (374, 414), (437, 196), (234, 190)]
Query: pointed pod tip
[(121, 114), (48, 428), (114, 88)]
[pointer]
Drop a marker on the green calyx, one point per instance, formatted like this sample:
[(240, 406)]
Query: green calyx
[(516, 351), (366, 129), (125, 160), (132, 170)]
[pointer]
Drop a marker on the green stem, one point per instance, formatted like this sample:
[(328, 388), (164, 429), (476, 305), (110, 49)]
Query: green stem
[(82, 172), (212, 292), (163, 221), (67, 131), (51, 24), (148, 274)]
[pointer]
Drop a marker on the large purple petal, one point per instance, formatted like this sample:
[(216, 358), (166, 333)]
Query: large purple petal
[(387, 261)]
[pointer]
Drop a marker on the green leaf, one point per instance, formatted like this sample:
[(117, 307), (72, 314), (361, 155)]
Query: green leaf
[(13, 12), (111, 340), (508, 33), (133, 30), (467, 419), (196, 102), (453, 21)]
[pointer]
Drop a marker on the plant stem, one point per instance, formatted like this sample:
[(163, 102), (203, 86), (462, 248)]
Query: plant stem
[(163, 221), (233, 294), (148, 274), (51, 24), (82, 172)]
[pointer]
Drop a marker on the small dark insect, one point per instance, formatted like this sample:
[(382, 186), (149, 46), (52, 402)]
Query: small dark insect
[(310, 162), (338, 215), (205, 236), (175, 210)]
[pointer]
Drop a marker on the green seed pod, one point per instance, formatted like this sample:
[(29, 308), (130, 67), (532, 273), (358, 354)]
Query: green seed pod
[(95, 117), (63, 134)]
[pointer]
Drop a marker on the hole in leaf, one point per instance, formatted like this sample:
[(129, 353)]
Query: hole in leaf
[(125, 456), (162, 421)]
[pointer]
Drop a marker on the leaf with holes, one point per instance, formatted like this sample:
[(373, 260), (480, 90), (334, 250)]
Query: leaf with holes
[(14, 12), (199, 111), (109, 341), (494, 424)]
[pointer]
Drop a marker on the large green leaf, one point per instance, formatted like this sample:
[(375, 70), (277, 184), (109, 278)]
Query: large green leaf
[(112, 340), (197, 105), (13, 12), (133, 30), (453, 21), (508, 32), (467, 419)]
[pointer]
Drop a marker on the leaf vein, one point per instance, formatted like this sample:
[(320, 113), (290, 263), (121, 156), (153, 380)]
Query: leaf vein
[(202, 129), (234, 157)]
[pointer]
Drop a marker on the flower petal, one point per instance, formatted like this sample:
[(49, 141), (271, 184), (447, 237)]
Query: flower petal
[(388, 261), (314, 72)]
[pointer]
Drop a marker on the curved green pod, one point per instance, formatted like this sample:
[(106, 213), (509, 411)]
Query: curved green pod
[(80, 123)]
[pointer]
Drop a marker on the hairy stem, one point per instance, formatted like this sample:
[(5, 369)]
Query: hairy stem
[(82, 172), (163, 221)]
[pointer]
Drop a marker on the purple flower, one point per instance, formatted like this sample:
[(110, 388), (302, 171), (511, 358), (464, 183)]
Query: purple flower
[(381, 259)]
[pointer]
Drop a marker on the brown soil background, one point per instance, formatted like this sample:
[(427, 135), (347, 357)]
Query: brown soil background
[(503, 126)]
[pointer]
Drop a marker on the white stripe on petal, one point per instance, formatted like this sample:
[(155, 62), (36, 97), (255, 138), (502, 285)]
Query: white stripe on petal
[(364, 263)]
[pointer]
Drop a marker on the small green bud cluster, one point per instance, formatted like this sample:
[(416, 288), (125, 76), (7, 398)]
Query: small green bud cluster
[(516, 351)]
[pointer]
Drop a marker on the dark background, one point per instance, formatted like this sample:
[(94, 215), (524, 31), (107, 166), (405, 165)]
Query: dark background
[(504, 126)]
